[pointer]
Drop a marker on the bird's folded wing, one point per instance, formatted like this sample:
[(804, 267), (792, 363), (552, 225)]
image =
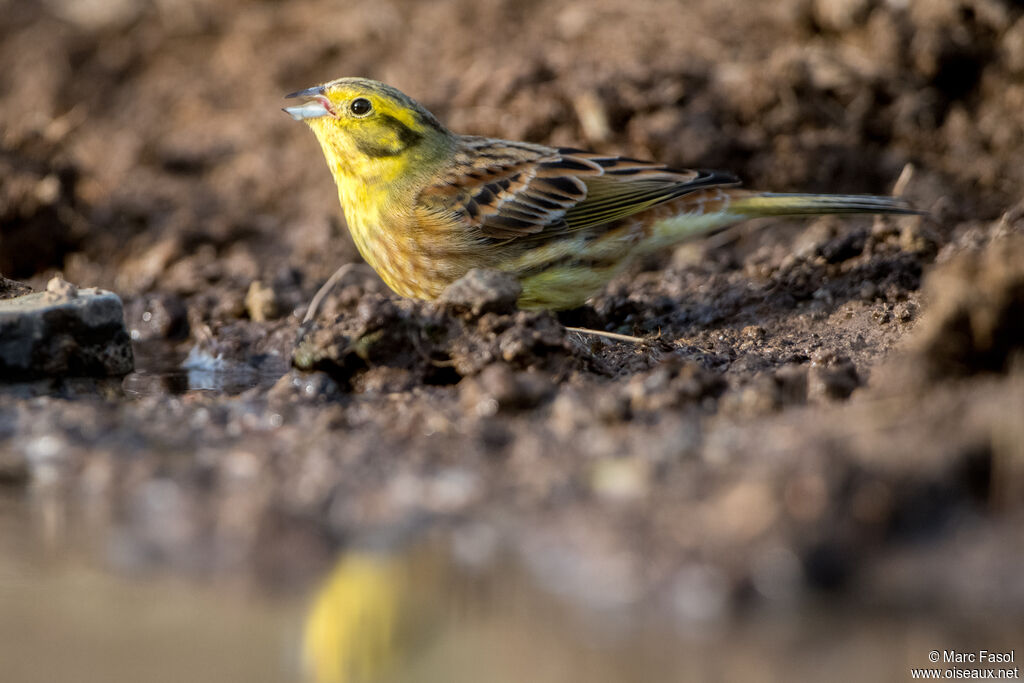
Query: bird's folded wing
[(509, 190)]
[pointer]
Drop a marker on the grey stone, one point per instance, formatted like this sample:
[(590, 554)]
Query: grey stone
[(63, 331)]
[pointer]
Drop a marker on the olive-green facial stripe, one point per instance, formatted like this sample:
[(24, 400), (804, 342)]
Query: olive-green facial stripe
[(405, 138)]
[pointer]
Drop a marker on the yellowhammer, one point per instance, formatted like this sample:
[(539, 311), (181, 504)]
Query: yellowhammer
[(425, 205)]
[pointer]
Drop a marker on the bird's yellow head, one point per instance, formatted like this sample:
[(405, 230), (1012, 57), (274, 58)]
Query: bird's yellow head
[(369, 130)]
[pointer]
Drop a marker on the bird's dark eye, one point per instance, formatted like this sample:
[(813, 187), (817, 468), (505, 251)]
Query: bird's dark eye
[(360, 106)]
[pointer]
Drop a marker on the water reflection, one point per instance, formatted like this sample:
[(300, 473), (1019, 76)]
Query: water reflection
[(360, 623), (458, 607), (68, 616), (162, 369), (428, 616), (108, 388)]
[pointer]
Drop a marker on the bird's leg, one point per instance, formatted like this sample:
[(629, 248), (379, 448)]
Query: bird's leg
[(318, 298)]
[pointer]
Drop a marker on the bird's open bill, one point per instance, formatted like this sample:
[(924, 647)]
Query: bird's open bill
[(313, 109)]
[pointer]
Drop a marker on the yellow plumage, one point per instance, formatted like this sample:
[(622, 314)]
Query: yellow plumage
[(425, 205)]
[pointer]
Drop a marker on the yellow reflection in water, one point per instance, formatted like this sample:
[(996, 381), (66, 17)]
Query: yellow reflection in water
[(351, 632), (423, 617)]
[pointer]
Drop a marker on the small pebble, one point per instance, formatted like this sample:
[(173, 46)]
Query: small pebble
[(261, 302)]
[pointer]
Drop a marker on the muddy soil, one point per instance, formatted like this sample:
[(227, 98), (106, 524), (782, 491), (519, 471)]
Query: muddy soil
[(828, 406)]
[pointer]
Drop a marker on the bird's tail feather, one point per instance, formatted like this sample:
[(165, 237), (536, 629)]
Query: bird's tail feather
[(776, 204), (709, 211)]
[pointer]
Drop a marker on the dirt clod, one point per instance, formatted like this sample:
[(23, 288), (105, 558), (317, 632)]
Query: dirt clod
[(498, 387), (157, 316), (832, 376), (482, 291), (976, 323)]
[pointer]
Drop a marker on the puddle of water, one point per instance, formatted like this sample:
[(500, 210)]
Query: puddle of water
[(499, 627), (77, 624), (425, 616), (161, 370), (66, 618)]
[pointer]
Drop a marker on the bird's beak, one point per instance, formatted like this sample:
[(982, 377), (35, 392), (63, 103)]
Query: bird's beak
[(317, 106)]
